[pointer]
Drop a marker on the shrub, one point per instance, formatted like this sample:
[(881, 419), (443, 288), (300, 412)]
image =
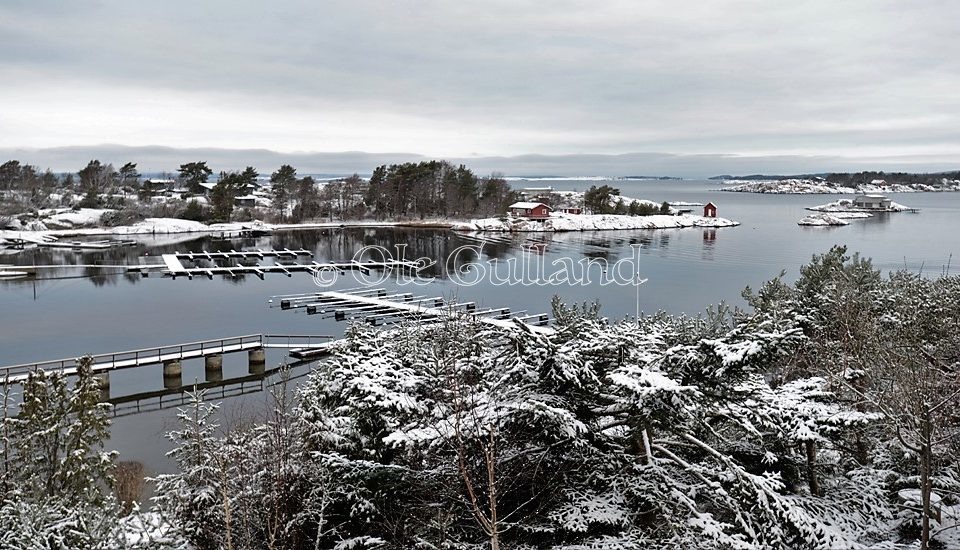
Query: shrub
[(195, 212), (243, 215), (126, 216)]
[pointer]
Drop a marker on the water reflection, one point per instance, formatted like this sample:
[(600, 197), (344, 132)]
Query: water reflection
[(224, 388), (448, 252)]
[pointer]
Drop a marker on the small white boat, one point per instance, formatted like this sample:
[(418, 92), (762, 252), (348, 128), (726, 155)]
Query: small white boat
[(12, 274)]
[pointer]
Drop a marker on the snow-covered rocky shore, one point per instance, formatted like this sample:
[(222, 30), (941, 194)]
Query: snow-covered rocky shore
[(814, 187), (67, 225), (835, 219), (38, 232), (591, 222)]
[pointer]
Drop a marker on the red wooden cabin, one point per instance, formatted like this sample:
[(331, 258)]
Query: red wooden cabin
[(532, 210)]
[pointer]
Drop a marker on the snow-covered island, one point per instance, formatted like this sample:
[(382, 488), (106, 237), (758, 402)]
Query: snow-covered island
[(858, 205), (566, 214), (820, 186), (591, 222), (830, 220)]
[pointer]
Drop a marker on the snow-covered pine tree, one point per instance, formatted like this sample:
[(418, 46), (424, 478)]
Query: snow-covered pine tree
[(886, 346), (87, 468), (58, 490), (193, 497), (258, 485), (602, 435)]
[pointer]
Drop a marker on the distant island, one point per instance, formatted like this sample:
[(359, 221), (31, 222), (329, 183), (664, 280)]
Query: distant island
[(848, 179), (660, 178)]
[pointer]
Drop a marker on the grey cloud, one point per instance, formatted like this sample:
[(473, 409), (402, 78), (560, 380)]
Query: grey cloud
[(614, 76)]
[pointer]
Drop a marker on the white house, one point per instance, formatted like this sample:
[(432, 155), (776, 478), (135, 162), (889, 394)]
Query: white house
[(872, 202), (156, 186)]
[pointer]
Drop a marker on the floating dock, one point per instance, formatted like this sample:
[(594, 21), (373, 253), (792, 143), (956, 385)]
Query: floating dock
[(380, 307), (87, 245), (175, 268)]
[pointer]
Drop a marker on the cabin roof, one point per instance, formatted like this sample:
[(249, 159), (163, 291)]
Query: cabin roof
[(528, 205)]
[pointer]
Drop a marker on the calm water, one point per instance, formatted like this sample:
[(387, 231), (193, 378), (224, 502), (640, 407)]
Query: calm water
[(686, 270)]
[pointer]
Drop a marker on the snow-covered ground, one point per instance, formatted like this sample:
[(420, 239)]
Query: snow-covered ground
[(38, 232), (66, 217), (846, 206), (591, 222), (811, 187), (29, 236), (575, 199), (29, 225)]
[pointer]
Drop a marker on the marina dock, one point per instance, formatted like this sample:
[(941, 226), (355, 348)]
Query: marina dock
[(379, 307), (175, 267)]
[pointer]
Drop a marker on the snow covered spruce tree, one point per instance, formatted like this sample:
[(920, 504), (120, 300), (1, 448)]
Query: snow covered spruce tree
[(888, 347), (626, 435), (252, 486), (56, 473)]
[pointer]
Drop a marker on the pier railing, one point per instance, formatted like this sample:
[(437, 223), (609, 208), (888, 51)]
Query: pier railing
[(293, 341)]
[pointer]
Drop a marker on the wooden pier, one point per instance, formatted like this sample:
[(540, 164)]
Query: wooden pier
[(88, 245), (171, 357)]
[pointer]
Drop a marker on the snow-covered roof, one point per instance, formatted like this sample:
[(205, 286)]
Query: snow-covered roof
[(527, 205), (158, 181)]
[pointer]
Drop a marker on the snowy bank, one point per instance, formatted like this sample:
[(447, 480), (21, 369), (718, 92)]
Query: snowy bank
[(149, 226), (847, 206), (28, 236), (591, 222), (39, 232)]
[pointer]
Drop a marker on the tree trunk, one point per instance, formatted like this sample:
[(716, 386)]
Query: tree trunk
[(492, 491), (812, 481), (925, 484)]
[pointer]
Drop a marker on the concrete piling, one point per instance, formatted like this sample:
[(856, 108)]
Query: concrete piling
[(213, 367), (258, 361), (172, 371)]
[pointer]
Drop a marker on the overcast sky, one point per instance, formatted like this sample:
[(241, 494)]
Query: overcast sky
[(857, 81)]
